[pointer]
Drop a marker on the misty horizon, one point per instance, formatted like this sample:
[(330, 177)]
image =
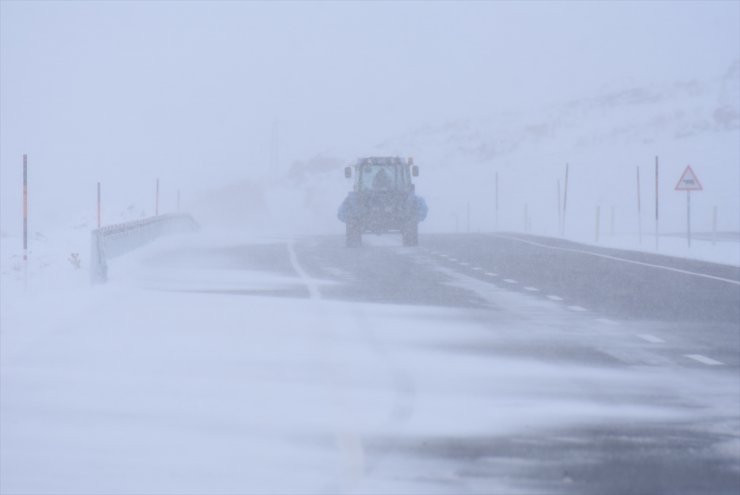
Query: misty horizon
[(202, 96)]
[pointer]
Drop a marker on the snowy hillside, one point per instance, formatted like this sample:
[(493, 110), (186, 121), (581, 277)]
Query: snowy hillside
[(603, 137)]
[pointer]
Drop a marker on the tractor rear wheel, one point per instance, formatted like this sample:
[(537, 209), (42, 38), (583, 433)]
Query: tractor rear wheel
[(354, 233), (410, 234)]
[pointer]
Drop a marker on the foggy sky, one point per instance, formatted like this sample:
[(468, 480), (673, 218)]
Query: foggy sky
[(127, 91)]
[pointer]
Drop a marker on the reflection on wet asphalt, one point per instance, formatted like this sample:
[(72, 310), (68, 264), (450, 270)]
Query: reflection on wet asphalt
[(624, 336)]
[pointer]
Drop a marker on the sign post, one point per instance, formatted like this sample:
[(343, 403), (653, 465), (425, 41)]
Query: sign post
[(688, 182)]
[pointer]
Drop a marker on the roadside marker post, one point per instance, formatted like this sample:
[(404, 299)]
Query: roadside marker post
[(688, 182)]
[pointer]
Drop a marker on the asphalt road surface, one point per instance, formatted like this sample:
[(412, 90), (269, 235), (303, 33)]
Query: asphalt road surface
[(671, 324)]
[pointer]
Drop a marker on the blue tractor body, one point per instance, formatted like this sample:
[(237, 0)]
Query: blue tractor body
[(383, 200)]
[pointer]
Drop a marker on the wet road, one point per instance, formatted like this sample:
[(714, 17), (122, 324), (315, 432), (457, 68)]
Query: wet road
[(668, 328)]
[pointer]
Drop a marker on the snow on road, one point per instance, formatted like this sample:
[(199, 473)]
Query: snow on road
[(187, 379)]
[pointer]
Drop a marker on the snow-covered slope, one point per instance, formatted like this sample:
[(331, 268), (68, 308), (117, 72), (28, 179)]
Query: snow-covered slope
[(603, 137)]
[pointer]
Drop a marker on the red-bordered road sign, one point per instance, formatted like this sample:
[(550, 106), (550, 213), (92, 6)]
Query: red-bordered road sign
[(688, 181)]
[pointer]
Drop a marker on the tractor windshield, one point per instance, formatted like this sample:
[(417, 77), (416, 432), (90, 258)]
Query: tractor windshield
[(378, 177)]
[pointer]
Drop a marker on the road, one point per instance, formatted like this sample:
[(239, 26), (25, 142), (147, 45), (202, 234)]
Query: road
[(673, 324), (476, 363)]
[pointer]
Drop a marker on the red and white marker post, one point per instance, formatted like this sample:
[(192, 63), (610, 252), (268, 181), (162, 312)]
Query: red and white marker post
[(688, 182)]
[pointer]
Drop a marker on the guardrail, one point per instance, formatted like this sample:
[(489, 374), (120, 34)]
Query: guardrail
[(119, 239)]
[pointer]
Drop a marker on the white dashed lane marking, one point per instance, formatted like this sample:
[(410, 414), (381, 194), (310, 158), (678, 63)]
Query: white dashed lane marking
[(491, 274), (577, 308), (554, 298), (704, 360), (532, 289), (510, 281), (477, 269), (624, 260), (651, 338)]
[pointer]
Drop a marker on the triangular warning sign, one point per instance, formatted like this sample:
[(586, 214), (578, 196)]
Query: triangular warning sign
[(688, 181)]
